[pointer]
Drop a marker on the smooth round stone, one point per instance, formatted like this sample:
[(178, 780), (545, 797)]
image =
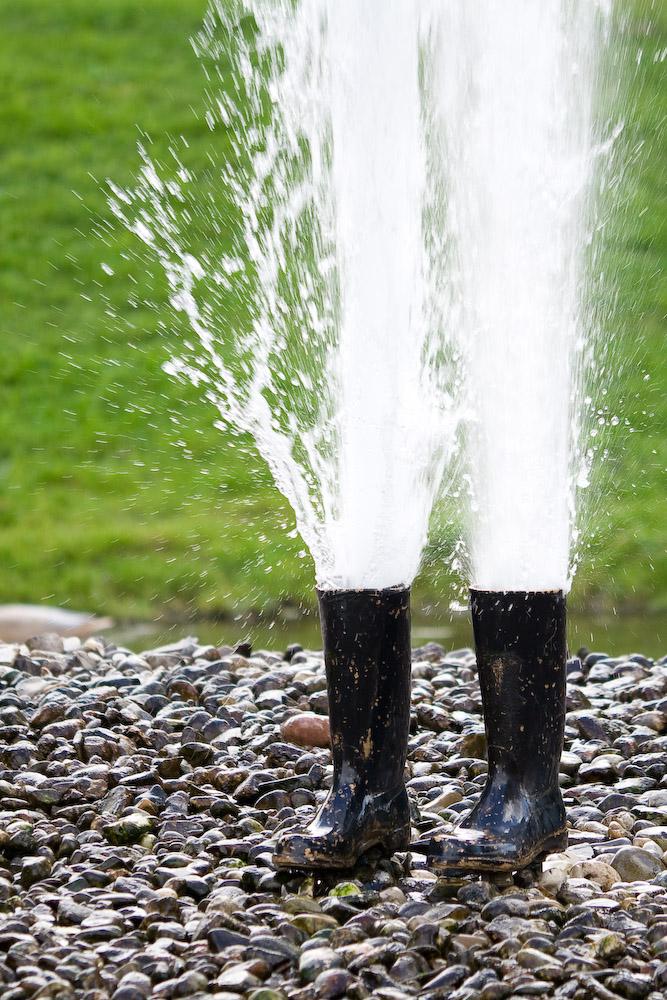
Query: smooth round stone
[(129, 829), (342, 889), (446, 798), (596, 871), (316, 961), (197, 753), (312, 923), (531, 958), (630, 985), (657, 799), (635, 865), (658, 834), (34, 870), (610, 947), (269, 700), (602, 768), (332, 983), (578, 890), (592, 658), (238, 979), (306, 730), (653, 720), (569, 762), (47, 642)]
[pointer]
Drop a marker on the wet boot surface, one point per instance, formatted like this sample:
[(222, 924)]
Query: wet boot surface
[(521, 657), (366, 638)]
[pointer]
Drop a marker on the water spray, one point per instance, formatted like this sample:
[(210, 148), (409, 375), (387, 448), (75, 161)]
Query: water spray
[(340, 375)]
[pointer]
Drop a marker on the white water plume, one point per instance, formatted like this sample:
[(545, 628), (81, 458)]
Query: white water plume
[(516, 84), (310, 295)]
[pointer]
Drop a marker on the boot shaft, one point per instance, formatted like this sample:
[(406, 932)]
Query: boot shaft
[(521, 655), (366, 640)]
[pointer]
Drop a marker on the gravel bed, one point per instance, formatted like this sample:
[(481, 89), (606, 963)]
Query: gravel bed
[(141, 794)]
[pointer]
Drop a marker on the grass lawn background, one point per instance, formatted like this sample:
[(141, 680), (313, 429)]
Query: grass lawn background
[(116, 493)]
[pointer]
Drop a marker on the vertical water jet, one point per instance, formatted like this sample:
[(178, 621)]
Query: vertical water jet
[(525, 154)]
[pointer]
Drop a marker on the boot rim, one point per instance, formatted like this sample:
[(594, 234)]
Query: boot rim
[(335, 592), (556, 592)]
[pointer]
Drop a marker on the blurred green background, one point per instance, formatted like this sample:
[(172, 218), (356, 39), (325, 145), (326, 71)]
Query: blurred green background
[(117, 495)]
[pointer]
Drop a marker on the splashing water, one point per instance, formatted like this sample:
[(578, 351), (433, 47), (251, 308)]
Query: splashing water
[(398, 224), (313, 300), (516, 83)]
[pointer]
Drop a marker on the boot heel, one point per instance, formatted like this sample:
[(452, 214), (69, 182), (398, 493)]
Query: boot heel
[(555, 844), (397, 840)]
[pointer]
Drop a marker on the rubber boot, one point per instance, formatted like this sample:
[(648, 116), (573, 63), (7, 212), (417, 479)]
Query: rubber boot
[(366, 636), (521, 657)]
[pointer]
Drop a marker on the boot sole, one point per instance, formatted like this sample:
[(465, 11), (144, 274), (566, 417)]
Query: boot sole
[(398, 840), (548, 845)]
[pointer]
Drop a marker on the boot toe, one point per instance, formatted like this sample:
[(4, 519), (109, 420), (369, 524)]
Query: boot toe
[(472, 849), (301, 850)]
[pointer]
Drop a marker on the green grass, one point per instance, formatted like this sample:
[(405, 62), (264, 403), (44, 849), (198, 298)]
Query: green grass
[(100, 506)]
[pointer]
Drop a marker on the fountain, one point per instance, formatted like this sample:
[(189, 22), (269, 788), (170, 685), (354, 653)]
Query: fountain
[(407, 197)]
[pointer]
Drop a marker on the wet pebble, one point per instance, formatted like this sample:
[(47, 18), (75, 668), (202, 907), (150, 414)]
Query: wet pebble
[(634, 864), (306, 730)]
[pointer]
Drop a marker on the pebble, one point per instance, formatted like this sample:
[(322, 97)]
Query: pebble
[(598, 872), (332, 983), (141, 793), (306, 730), (634, 864), (237, 979), (129, 829), (316, 961)]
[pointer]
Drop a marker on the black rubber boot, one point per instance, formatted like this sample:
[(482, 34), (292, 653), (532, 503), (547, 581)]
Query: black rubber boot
[(521, 657), (366, 635)]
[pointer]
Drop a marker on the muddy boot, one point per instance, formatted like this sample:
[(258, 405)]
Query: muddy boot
[(521, 656), (366, 635)]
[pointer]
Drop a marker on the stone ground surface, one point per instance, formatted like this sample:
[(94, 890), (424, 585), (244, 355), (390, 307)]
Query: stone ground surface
[(141, 793)]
